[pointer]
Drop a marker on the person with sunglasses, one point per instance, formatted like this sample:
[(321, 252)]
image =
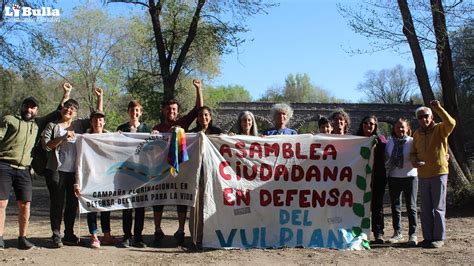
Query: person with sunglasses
[(58, 138), (369, 127), (429, 154)]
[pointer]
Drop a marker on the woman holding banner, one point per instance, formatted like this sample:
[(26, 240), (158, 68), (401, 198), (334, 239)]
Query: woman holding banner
[(204, 122), (135, 111), (369, 127), (281, 114), (58, 139)]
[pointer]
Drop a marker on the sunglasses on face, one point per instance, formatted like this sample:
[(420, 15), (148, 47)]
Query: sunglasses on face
[(425, 116), (71, 106)]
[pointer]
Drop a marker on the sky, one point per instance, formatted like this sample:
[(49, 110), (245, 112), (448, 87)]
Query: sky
[(297, 36)]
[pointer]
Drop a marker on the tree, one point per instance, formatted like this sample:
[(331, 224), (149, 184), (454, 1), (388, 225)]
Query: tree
[(144, 81), (231, 93), (396, 85), (382, 21), (298, 88), (14, 33), (88, 49), (177, 24)]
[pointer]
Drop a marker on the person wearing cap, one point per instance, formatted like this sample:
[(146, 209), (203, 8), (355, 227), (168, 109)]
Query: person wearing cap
[(17, 138), (429, 154), (135, 111), (97, 124), (170, 110), (58, 139)]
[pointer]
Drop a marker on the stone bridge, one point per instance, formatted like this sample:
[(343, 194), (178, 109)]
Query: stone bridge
[(227, 113)]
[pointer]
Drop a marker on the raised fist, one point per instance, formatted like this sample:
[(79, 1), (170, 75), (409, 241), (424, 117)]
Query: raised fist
[(197, 83), (67, 87)]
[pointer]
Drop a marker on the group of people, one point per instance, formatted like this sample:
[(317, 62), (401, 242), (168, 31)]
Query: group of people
[(406, 163)]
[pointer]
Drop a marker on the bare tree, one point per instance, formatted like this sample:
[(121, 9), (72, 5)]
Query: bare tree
[(396, 85)]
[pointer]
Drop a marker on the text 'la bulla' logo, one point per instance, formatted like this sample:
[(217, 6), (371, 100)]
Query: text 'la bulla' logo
[(17, 12)]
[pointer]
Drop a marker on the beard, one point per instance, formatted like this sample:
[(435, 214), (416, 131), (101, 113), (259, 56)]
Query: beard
[(27, 116)]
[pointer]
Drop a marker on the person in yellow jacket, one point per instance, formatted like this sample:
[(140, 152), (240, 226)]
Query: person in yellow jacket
[(430, 155)]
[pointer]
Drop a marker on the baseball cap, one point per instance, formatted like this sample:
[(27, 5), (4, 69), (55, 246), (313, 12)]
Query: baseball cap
[(30, 99), (97, 113)]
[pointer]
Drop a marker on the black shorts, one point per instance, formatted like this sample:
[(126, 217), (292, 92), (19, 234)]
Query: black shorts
[(181, 208), (19, 179)]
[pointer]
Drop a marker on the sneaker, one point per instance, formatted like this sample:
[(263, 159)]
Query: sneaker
[(397, 237), (71, 240), (412, 241), (2, 243), (425, 243), (179, 236), (378, 239), (138, 242), (158, 238), (57, 243), (109, 240), (126, 243), (437, 244), (95, 243), (23, 243)]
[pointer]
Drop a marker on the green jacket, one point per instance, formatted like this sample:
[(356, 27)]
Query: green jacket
[(17, 138)]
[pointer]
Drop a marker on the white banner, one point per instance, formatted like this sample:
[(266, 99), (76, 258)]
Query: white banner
[(276, 191), (125, 170)]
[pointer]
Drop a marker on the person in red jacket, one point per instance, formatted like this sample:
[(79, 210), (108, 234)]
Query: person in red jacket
[(170, 110)]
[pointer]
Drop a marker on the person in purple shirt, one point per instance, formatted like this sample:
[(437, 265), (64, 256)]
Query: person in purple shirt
[(281, 113)]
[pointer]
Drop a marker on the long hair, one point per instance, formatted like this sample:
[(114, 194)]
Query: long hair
[(340, 112), (253, 129), (360, 131), (201, 109)]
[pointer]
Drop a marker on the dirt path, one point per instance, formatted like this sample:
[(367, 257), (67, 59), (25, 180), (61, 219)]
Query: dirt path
[(459, 248)]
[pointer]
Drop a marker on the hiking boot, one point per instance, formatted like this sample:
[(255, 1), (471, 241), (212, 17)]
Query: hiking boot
[(437, 244), (57, 243), (179, 236), (138, 242), (24, 244), (397, 237), (70, 240), (412, 241), (2, 243), (126, 243), (378, 239), (158, 238)]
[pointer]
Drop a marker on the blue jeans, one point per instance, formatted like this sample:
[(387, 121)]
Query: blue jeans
[(409, 187), (433, 207), (104, 222)]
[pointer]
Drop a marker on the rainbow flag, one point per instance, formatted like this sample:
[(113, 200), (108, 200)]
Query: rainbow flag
[(178, 152)]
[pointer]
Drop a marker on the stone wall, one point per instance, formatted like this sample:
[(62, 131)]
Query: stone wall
[(226, 115)]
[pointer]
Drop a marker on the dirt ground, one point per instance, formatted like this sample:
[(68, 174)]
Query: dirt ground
[(459, 248)]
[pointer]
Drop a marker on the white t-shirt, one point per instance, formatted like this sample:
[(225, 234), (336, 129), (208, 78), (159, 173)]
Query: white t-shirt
[(408, 169), (67, 154)]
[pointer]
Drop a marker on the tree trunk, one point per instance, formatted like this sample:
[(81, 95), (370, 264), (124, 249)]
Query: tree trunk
[(448, 83), (418, 58), (422, 75)]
